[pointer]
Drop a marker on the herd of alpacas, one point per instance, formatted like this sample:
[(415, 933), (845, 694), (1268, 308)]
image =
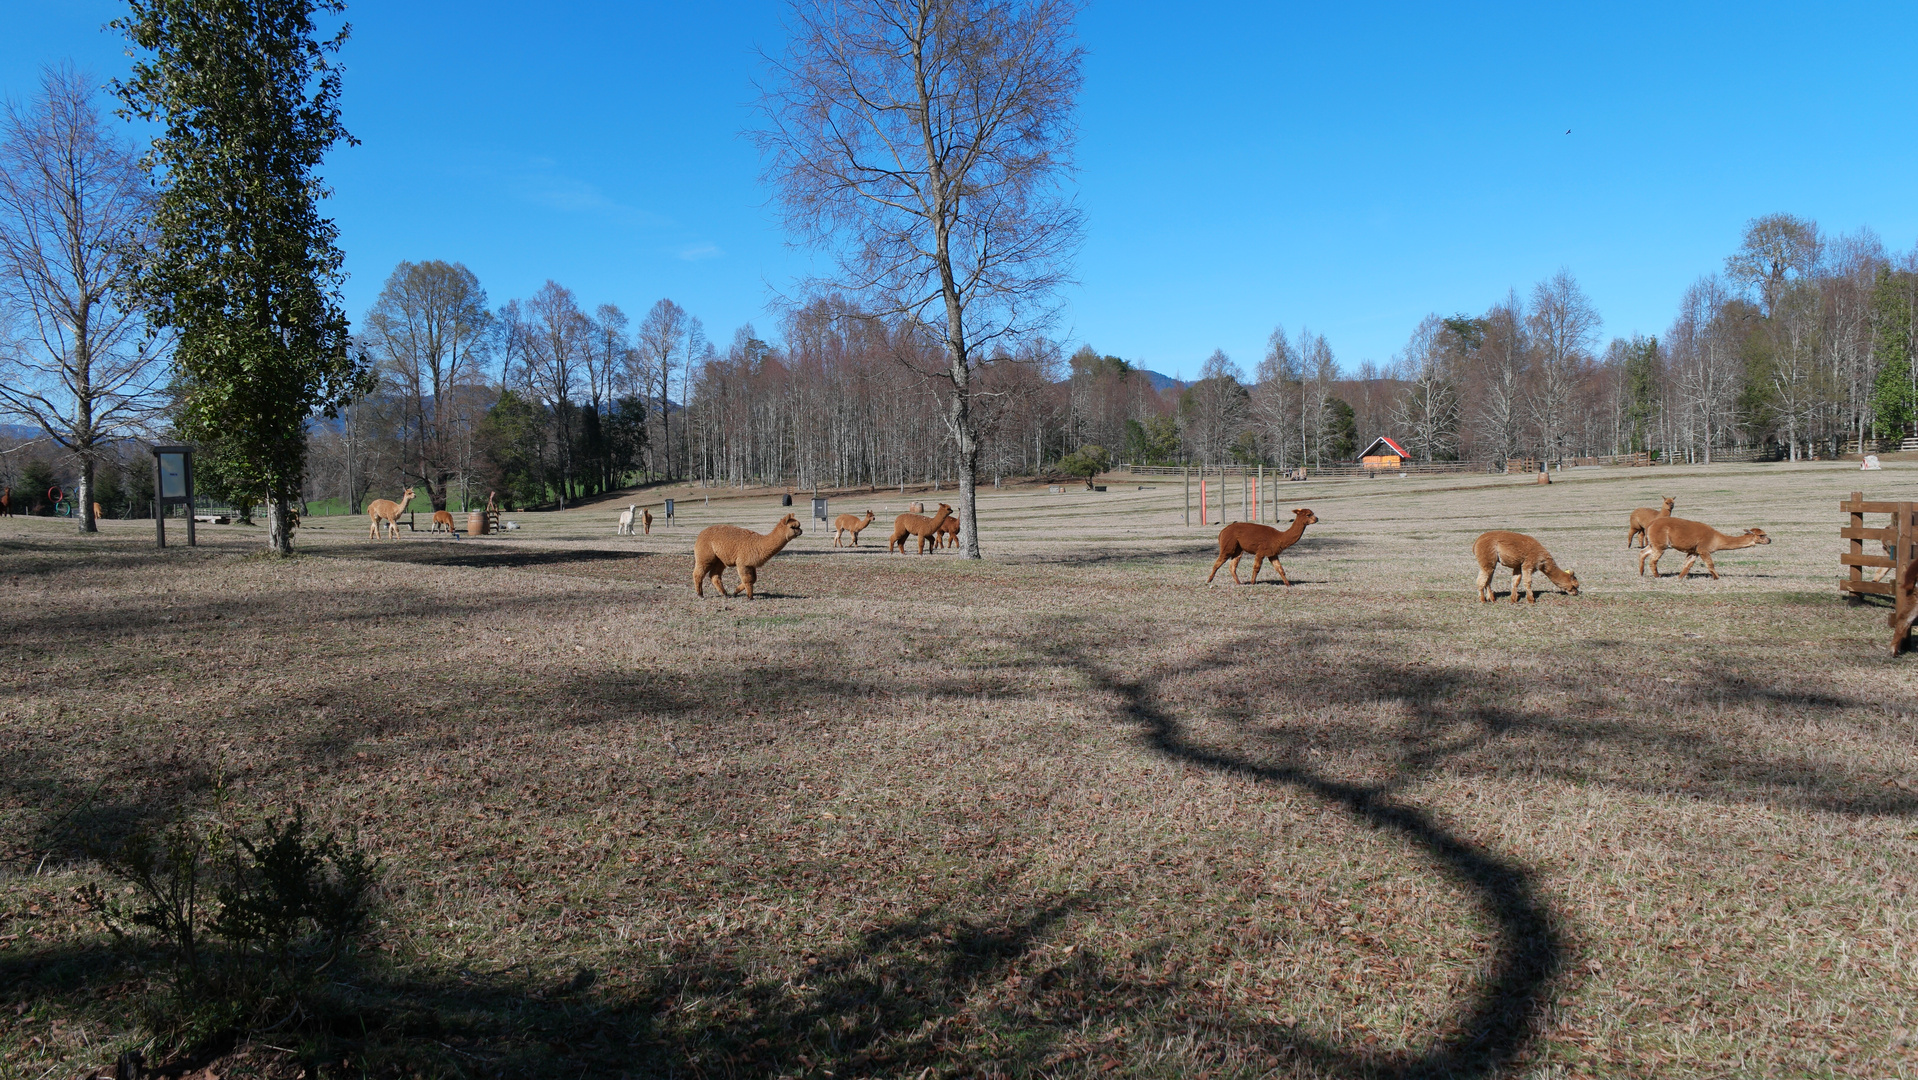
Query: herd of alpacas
[(719, 548)]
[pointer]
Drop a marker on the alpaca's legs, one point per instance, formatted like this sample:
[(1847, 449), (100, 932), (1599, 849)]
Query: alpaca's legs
[(1518, 580), (747, 575), (1685, 571), (1649, 553), (1258, 561), (1709, 566), (1220, 561), (1484, 584), (1236, 560), (1281, 570)]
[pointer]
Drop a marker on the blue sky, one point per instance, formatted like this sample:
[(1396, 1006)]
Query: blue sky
[(1240, 167)]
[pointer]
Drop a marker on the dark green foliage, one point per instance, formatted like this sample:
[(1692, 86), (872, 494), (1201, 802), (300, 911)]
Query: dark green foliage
[(1894, 397), (1155, 442), (244, 927), (1641, 388), (513, 438), (1342, 430), (30, 494), (245, 270), (626, 437), (1086, 462)]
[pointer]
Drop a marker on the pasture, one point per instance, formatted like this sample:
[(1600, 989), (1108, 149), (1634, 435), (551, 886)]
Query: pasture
[(1063, 812)]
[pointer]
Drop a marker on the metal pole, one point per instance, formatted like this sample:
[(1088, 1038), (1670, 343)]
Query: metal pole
[(187, 460), (159, 506), (1187, 470)]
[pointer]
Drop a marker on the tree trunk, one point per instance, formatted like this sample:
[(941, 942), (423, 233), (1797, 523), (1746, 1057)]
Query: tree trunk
[(85, 509), (279, 524)]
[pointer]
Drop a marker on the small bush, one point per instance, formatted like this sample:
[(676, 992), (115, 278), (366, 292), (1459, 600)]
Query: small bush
[(244, 928)]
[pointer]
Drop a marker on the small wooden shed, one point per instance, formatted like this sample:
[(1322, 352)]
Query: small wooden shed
[(1383, 454)]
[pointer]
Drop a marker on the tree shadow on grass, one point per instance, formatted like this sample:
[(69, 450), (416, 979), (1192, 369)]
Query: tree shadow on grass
[(489, 556)]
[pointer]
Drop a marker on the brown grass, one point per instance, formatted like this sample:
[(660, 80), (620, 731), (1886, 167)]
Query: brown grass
[(1032, 816)]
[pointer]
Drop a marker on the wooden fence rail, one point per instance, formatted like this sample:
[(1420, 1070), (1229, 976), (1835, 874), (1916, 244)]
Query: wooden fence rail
[(1899, 535)]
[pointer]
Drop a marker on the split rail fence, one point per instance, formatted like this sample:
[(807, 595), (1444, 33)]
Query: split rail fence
[(1897, 544)]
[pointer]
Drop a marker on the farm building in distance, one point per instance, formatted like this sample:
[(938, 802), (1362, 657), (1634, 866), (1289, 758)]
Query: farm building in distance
[(1383, 454)]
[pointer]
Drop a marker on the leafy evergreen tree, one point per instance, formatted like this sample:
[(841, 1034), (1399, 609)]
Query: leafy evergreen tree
[(245, 270), (1894, 396)]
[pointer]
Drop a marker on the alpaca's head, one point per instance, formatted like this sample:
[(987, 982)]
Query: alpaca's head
[(1564, 579), (1669, 503), (788, 528), (1303, 517), (406, 500), (943, 506), (1758, 536)]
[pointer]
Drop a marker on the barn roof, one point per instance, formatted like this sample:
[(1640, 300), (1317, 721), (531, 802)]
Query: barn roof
[(1373, 450)]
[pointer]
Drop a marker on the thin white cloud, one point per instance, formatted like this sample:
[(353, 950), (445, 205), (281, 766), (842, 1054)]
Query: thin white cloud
[(699, 252)]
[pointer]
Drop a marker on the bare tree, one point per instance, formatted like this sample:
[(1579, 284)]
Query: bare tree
[(1777, 249), (927, 142), (662, 347), (1279, 398), (1563, 325), (74, 208), (427, 335), (1428, 411), (556, 338)]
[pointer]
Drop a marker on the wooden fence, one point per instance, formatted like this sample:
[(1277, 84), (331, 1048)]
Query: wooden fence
[(1900, 535)]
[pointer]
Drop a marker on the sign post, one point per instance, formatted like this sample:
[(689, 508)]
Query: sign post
[(172, 483)]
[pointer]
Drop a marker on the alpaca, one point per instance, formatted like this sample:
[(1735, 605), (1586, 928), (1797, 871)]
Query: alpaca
[(850, 523), (6, 502), (97, 512), (1262, 542), (1523, 555), (720, 546), (948, 535), (388, 511), (1696, 539), (444, 518), (1644, 516), (646, 520), (1906, 612), (916, 525), (626, 521)]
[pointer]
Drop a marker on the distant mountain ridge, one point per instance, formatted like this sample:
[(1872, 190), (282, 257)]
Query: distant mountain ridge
[(1163, 382)]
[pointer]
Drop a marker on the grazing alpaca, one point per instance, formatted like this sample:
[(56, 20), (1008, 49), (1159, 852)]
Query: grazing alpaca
[(646, 518), (626, 521), (948, 535), (1696, 539), (916, 525), (1523, 555), (720, 546), (850, 523), (388, 511), (444, 518), (1906, 613), (1262, 542), (1644, 516)]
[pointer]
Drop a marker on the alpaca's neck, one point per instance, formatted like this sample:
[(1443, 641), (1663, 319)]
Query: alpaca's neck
[(1744, 540), (1294, 530), (773, 542)]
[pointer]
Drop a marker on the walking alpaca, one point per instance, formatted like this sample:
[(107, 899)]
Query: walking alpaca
[(646, 517), (1906, 613), (916, 525), (1262, 542), (1523, 555), (388, 511), (850, 523), (1696, 539), (720, 546), (1644, 516), (626, 521), (443, 518)]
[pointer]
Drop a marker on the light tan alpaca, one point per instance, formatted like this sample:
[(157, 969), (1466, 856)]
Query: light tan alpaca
[(916, 525), (646, 516), (1696, 539), (1523, 555), (1262, 542), (1644, 516), (720, 546), (444, 519), (948, 534), (626, 520), (388, 511), (1906, 613), (850, 523)]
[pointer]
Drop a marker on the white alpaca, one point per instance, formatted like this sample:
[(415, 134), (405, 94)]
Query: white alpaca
[(626, 521)]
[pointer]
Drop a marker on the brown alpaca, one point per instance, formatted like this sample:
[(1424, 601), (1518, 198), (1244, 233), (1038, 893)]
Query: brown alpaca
[(850, 523), (646, 519), (948, 535), (443, 518), (1906, 613), (916, 525), (388, 511), (6, 502), (1523, 555), (1696, 539), (1644, 516), (1262, 542), (720, 546)]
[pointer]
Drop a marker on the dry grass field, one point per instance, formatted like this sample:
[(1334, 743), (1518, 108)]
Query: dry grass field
[(1063, 812)]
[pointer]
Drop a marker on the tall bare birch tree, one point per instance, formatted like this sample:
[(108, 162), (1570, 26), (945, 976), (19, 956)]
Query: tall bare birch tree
[(928, 143), (74, 205)]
